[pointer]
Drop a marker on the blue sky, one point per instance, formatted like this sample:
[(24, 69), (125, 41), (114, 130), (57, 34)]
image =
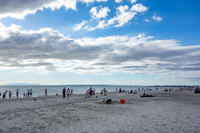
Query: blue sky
[(134, 42)]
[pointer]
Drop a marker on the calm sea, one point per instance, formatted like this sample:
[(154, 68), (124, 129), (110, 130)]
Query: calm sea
[(77, 89)]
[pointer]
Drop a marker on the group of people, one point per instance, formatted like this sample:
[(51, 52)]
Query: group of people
[(29, 93), (67, 92), (4, 94)]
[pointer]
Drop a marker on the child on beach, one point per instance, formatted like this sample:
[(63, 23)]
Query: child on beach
[(10, 94), (101, 92)]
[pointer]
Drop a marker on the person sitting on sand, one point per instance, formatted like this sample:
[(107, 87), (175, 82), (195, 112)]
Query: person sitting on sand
[(101, 92), (4, 95)]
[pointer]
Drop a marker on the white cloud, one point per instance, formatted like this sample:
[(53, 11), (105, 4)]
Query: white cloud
[(102, 0), (124, 15), (118, 1), (98, 13), (20, 8), (133, 1), (87, 1), (78, 27), (139, 8), (47, 50), (157, 18), (101, 24), (147, 20)]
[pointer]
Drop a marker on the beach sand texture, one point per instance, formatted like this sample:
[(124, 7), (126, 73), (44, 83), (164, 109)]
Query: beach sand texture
[(168, 112)]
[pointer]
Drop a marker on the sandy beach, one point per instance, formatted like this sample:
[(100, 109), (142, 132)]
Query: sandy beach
[(167, 112)]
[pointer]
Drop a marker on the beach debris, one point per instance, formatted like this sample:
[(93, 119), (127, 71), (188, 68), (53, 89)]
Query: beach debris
[(34, 99)]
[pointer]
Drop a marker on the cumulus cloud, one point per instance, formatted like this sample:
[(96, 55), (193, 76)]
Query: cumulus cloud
[(124, 15), (133, 1), (20, 8), (139, 8), (77, 27), (98, 13), (46, 50), (118, 1), (157, 18)]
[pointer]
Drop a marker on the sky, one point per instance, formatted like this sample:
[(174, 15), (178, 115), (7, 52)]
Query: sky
[(120, 42)]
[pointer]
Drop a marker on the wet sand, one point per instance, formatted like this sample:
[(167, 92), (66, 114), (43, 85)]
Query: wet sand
[(168, 112)]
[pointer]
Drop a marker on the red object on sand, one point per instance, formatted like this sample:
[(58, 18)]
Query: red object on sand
[(122, 101)]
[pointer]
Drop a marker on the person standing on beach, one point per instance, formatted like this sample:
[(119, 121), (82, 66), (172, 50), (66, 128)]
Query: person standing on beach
[(10, 94), (64, 92), (71, 91), (0, 95), (17, 93), (45, 91), (4, 95), (31, 92), (28, 92), (68, 92)]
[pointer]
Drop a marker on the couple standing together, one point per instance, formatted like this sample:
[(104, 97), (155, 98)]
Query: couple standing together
[(68, 91)]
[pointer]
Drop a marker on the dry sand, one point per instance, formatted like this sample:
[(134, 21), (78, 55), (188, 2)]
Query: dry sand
[(168, 112)]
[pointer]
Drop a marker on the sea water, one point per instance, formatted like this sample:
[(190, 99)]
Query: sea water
[(77, 89)]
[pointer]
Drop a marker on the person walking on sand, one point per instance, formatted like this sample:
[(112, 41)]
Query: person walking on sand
[(17, 93), (68, 92), (64, 92), (10, 94), (45, 91)]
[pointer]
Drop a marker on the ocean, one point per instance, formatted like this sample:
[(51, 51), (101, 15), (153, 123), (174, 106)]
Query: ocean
[(77, 89)]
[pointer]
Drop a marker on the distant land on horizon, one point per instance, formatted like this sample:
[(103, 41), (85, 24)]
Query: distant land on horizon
[(31, 84)]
